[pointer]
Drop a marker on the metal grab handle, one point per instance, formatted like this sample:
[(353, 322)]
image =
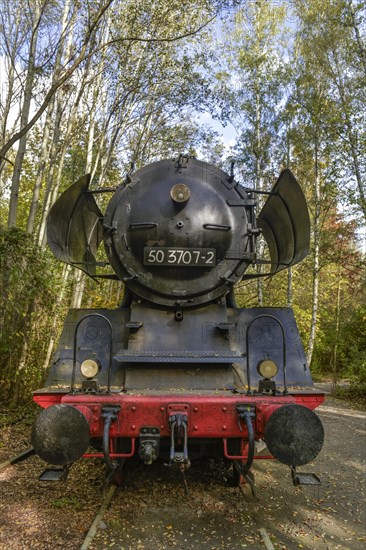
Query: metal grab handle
[(114, 455)]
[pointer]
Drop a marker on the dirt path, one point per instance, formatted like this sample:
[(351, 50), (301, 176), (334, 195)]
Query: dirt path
[(152, 512)]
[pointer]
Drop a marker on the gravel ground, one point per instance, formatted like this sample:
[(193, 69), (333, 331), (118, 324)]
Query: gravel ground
[(151, 510)]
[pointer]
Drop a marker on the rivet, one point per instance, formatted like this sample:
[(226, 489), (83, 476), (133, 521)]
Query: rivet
[(195, 409), (224, 409), (133, 427), (162, 409), (162, 427), (195, 428), (133, 408), (224, 427)]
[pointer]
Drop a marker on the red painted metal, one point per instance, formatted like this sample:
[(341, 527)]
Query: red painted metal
[(114, 455), (209, 415), (243, 448), (45, 400)]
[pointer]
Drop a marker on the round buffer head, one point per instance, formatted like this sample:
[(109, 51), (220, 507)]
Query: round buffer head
[(294, 435), (60, 434)]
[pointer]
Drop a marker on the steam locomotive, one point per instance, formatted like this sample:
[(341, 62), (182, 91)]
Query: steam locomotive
[(178, 371)]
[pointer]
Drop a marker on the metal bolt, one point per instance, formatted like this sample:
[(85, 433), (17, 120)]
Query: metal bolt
[(224, 409), (133, 408), (224, 427), (162, 409), (133, 427), (195, 409)]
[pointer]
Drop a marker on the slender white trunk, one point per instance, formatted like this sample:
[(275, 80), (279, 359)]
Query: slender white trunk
[(65, 276), (28, 89), (78, 290), (47, 126), (259, 186), (316, 231), (10, 64), (289, 287), (334, 361), (51, 187)]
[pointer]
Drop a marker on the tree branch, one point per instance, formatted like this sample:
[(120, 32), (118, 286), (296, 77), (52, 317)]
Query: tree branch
[(80, 58)]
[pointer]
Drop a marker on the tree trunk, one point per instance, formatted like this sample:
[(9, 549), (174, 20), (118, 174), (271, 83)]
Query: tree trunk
[(361, 46), (47, 125), (316, 232), (259, 186), (334, 360), (83, 54), (289, 287), (350, 133), (10, 93), (51, 192), (28, 89), (78, 290), (65, 275)]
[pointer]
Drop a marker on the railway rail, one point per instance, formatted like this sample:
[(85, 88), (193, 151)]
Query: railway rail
[(151, 510)]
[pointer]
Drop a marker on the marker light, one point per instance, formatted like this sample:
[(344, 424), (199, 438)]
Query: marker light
[(180, 193), (267, 368), (89, 368)]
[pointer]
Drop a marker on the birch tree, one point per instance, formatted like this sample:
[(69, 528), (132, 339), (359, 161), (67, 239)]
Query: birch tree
[(253, 90), (334, 35)]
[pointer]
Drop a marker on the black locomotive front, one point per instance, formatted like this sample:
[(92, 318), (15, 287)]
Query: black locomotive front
[(179, 233), (179, 370)]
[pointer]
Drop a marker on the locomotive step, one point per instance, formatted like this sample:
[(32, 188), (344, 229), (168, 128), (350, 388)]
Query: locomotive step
[(302, 478), (54, 473)]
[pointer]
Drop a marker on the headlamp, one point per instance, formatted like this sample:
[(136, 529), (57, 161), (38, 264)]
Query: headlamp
[(267, 368), (89, 368)]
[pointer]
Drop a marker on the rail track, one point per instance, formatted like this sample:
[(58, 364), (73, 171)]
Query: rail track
[(98, 517), (151, 509), (107, 500)]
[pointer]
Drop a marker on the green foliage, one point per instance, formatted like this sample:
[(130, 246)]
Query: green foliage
[(29, 285), (67, 503), (296, 97)]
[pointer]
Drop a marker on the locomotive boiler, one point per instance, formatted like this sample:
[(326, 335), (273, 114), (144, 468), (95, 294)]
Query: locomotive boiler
[(178, 371)]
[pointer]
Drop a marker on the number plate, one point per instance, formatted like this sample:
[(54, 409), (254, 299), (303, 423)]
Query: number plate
[(202, 257)]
